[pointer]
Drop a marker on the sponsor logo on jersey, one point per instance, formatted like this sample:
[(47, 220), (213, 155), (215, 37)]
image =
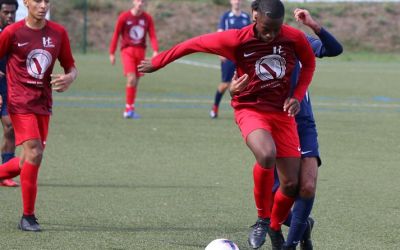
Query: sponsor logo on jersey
[(129, 23), (48, 42), (136, 33), (37, 63), (22, 44), (271, 67)]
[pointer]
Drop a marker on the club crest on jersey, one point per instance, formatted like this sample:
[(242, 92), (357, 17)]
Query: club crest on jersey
[(142, 22), (136, 33), (47, 42), (37, 63), (271, 67)]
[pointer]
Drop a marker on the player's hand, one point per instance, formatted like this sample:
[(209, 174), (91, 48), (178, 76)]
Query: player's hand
[(1, 101), (291, 106), (146, 66), (238, 84), (112, 59), (223, 59), (155, 53), (303, 16), (2, 74), (61, 82)]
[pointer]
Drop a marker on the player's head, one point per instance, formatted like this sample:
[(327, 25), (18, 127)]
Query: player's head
[(37, 9), (139, 5), (8, 8), (269, 19), (236, 4)]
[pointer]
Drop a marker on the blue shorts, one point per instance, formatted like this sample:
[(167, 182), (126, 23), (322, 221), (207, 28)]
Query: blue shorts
[(3, 93), (227, 70), (308, 139)]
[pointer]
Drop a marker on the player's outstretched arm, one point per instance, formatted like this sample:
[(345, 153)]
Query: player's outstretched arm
[(326, 45), (146, 66), (238, 84), (61, 82)]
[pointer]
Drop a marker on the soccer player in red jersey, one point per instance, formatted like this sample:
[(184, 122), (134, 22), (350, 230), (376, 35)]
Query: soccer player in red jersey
[(133, 26), (8, 9), (32, 46), (264, 110)]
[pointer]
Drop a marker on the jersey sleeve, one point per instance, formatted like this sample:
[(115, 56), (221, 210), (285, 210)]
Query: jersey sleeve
[(5, 42), (65, 57), (218, 43), (116, 34), (326, 45), (152, 34), (307, 59)]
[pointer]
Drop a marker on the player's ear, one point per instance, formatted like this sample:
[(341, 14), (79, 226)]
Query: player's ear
[(254, 15), (26, 3)]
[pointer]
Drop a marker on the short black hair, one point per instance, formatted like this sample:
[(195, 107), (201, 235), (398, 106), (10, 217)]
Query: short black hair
[(10, 2), (272, 8)]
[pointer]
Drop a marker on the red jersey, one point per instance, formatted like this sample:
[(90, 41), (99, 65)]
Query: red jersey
[(269, 65), (31, 57), (133, 30)]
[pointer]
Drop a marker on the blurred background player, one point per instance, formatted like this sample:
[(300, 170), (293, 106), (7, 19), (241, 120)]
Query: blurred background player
[(8, 9), (133, 26), (299, 221), (32, 46), (233, 19), (265, 54)]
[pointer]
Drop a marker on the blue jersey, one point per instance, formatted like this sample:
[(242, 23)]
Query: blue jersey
[(230, 21), (326, 45)]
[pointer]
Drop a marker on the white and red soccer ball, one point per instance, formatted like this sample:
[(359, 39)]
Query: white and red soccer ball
[(222, 244)]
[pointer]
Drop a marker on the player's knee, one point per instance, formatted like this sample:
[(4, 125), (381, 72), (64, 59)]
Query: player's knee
[(307, 189), (35, 155), (289, 187), (267, 158)]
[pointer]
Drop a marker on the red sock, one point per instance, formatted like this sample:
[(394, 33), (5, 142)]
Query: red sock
[(10, 169), (130, 98), (263, 182), (280, 209), (29, 175)]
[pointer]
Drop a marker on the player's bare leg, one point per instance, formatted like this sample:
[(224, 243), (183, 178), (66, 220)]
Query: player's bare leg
[(8, 147), (132, 82), (263, 147)]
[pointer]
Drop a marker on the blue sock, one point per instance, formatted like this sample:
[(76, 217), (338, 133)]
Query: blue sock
[(5, 157), (218, 97), (301, 211)]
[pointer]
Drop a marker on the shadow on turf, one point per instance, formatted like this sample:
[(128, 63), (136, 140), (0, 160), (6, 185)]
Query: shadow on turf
[(103, 185)]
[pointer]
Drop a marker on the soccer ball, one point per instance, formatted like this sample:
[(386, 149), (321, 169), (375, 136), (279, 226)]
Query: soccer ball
[(222, 244)]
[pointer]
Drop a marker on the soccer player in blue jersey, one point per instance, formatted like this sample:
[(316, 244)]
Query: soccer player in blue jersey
[(299, 221), (233, 19), (8, 9)]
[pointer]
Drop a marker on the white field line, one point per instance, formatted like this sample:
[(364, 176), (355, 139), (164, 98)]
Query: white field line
[(202, 101), (200, 64)]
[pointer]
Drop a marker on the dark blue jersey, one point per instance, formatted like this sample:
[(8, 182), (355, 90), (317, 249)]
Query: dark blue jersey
[(230, 21), (326, 45)]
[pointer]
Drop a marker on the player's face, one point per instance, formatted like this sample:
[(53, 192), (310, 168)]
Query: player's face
[(139, 4), (37, 8), (267, 28), (235, 4), (7, 14)]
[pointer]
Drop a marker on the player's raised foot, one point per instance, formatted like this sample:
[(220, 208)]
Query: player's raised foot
[(130, 114), (9, 183), (277, 239), (306, 242), (214, 112), (258, 233), (29, 223)]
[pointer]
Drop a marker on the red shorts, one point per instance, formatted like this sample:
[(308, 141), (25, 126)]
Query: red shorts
[(282, 127), (131, 58), (30, 126)]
